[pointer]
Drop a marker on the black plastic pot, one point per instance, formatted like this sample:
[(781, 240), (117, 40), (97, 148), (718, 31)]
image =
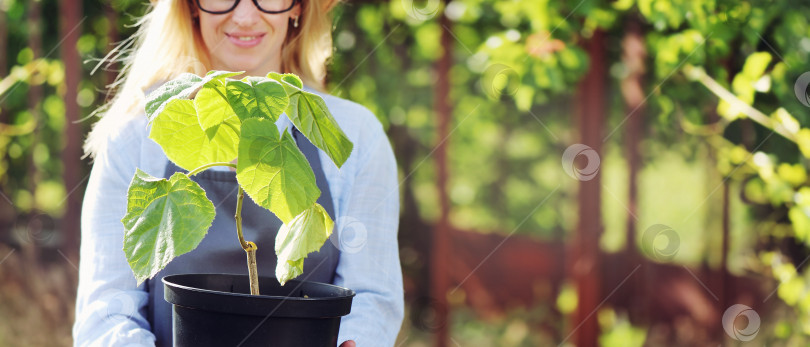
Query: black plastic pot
[(217, 310)]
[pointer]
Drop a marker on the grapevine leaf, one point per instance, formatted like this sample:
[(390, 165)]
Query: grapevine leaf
[(304, 234), (177, 130), (311, 116), (164, 219), (273, 172)]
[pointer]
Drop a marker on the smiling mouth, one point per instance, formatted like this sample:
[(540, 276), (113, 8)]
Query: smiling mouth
[(244, 38)]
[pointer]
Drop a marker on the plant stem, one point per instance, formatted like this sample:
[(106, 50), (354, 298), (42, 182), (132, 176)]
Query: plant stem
[(253, 273), (249, 247), (238, 218), (207, 166)]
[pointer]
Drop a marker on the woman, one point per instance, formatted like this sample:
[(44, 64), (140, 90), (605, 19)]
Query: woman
[(255, 36)]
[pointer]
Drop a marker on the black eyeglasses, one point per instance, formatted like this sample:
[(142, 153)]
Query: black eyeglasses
[(266, 6)]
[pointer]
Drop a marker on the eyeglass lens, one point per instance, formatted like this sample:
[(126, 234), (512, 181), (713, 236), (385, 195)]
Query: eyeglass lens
[(228, 5)]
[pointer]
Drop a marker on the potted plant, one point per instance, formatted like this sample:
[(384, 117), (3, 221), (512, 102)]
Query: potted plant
[(203, 122)]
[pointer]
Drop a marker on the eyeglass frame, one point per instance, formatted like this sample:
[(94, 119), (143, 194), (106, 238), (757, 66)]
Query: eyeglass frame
[(255, 3)]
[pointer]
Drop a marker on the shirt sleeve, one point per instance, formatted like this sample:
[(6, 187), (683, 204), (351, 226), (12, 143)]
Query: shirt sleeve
[(369, 253), (110, 308)]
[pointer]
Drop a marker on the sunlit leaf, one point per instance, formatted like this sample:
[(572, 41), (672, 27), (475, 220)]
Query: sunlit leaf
[(287, 270), (181, 87), (305, 234), (311, 116), (165, 219), (214, 111), (273, 171), (287, 77), (177, 130), (257, 98)]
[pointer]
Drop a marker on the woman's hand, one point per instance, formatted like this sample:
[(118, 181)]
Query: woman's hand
[(349, 343)]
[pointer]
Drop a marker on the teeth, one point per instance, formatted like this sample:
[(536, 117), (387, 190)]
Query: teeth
[(246, 38)]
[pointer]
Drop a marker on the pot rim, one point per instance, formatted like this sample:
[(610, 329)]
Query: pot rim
[(259, 305), (260, 296)]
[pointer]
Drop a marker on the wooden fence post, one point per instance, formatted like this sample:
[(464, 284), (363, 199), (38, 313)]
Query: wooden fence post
[(585, 267), (71, 155), (440, 254)]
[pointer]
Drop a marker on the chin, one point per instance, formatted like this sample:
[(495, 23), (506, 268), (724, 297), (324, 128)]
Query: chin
[(248, 65)]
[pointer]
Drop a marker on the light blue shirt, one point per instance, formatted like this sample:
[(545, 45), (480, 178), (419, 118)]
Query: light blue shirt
[(111, 309)]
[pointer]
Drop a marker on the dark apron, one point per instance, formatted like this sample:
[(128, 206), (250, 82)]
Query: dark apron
[(219, 251)]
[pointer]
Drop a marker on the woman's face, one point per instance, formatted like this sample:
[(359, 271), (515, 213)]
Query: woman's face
[(245, 39)]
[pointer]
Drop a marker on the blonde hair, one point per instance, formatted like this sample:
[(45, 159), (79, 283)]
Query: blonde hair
[(161, 50)]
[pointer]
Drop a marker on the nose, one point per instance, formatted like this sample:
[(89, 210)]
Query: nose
[(245, 14)]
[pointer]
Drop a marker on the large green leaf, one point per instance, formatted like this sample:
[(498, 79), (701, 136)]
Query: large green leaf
[(165, 218), (305, 234), (177, 130), (213, 110), (273, 172), (257, 98), (181, 87), (311, 116), (291, 82)]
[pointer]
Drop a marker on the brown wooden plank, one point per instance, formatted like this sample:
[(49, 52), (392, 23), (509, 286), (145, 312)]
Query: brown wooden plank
[(441, 252), (634, 55), (70, 20), (585, 266)]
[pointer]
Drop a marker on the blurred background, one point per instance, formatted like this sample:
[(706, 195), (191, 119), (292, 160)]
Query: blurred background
[(587, 172)]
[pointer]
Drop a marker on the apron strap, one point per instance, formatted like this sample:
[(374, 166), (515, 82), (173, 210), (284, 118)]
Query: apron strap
[(313, 156)]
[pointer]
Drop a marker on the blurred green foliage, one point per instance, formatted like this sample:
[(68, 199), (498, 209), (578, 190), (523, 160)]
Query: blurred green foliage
[(31, 127), (517, 64), (509, 124)]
